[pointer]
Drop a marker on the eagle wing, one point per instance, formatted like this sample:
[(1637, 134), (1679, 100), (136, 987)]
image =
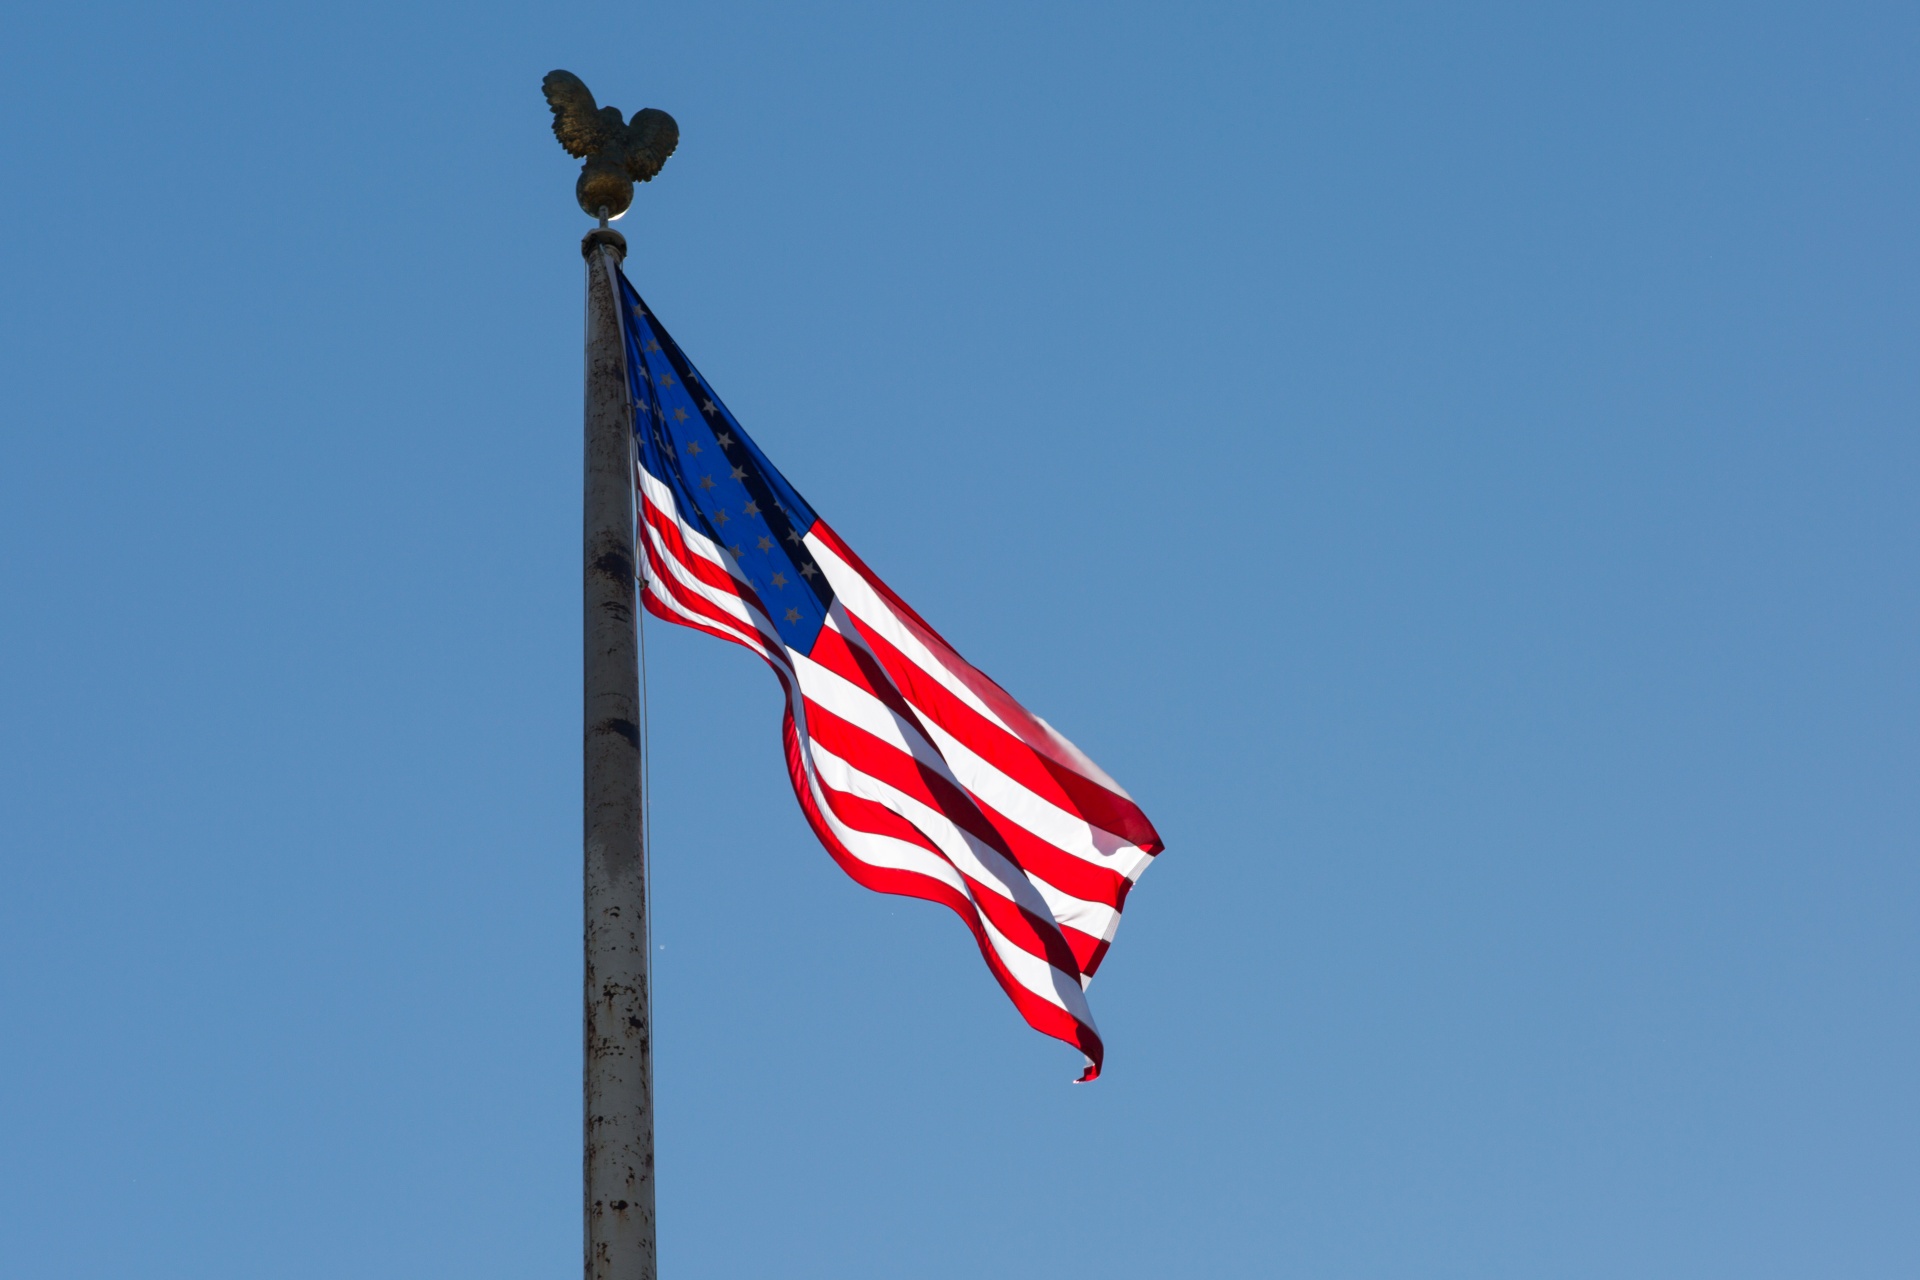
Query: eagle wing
[(651, 137), (576, 117)]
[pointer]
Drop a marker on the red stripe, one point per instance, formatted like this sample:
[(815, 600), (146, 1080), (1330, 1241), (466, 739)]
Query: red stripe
[(1070, 874), (886, 762), (1067, 951), (875, 818), (1042, 1015), (708, 571), (1031, 853), (699, 604), (658, 610), (1053, 749), (701, 568), (859, 668), (845, 552), (710, 613), (1039, 936), (1008, 752)]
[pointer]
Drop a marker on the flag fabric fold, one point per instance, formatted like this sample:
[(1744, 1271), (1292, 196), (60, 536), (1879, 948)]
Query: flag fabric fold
[(920, 775)]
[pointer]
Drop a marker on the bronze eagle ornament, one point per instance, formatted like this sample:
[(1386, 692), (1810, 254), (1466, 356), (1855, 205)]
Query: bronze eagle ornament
[(617, 155)]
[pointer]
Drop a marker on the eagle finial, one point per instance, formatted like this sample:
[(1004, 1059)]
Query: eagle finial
[(617, 155)]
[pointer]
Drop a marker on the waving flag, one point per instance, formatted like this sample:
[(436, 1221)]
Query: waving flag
[(919, 774)]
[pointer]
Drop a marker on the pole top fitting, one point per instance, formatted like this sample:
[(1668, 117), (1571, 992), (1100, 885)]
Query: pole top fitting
[(604, 236), (617, 154)]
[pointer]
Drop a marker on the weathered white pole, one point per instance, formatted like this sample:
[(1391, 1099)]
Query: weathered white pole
[(619, 1024)]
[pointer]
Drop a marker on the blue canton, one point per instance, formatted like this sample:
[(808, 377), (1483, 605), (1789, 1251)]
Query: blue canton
[(724, 485)]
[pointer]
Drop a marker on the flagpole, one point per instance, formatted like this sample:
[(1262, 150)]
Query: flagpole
[(618, 1155)]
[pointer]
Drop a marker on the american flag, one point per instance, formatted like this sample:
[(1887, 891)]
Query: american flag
[(920, 775)]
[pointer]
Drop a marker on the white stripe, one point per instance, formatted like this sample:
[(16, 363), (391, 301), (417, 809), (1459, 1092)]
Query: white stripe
[(1041, 978), (1095, 844), (1032, 972), (727, 601), (714, 626), (700, 545), (860, 708), (1068, 832), (889, 853), (871, 607), (1040, 817), (824, 770), (733, 628), (662, 497), (858, 597), (972, 858), (732, 602)]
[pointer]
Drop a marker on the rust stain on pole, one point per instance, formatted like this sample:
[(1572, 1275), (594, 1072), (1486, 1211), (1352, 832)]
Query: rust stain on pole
[(618, 1149), (619, 1027)]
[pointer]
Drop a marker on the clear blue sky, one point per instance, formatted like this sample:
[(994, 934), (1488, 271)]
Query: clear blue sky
[(1456, 465)]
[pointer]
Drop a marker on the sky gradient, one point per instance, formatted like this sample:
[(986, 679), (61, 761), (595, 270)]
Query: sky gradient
[(1456, 467)]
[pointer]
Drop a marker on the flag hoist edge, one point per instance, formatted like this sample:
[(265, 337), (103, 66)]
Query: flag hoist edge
[(920, 775)]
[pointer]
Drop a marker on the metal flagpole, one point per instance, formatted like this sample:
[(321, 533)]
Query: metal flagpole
[(618, 1087), (619, 1023)]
